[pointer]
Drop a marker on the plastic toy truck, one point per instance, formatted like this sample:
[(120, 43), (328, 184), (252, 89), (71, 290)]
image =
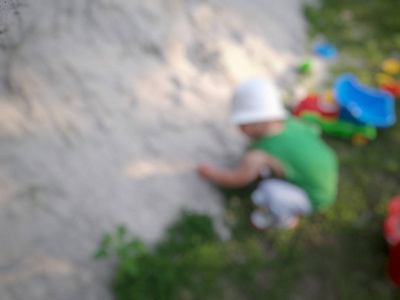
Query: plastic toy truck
[(361, 104), (354, 111), (314, 109)]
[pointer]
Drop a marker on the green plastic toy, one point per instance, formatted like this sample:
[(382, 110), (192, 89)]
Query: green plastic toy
[(305, 67), (359, 134)]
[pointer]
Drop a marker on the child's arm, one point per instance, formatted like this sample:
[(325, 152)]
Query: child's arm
[(247, 171)]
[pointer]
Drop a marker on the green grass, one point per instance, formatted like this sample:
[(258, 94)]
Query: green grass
[(365, 31), (338, 254)]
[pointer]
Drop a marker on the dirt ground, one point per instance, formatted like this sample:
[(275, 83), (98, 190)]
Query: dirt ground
[(106, 107)]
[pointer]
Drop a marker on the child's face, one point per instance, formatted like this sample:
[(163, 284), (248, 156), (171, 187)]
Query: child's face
[(254, 129)]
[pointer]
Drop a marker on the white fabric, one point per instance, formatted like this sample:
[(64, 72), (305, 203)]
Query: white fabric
[(261, 220), (256, 100), (283, 199)]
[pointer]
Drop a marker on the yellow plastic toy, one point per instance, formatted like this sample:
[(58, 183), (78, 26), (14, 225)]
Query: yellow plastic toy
[(328, 95), (383, 78), (391, 66), (359, 140)]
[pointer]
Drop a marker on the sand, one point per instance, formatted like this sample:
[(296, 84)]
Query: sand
[(106, 109)]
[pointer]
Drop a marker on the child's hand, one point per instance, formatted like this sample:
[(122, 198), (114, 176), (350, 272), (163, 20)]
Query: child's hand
[(204, 170)]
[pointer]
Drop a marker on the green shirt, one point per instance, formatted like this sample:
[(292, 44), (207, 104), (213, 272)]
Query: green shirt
[(307, 161)]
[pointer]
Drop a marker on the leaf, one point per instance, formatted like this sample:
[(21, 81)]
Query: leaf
[(138, 246), (106, 240), (130, 266), (121, 231), (101, 253)]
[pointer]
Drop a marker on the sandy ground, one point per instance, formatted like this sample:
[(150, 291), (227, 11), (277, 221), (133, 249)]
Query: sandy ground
[(106, 107)]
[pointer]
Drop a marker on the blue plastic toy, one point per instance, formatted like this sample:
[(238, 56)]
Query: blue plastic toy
[(325, 50), (363, 104)]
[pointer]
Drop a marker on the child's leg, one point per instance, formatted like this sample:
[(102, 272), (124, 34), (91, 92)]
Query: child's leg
[(284, 201)]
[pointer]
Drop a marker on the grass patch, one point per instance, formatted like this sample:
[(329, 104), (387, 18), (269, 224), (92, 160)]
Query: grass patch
[(365, 31), (189, 263)]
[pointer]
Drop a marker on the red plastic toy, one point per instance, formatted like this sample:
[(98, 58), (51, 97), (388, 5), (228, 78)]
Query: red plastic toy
[(312, 104), (392, 87), (392, 235)]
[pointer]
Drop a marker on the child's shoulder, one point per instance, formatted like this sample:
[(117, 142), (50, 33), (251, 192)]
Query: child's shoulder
[(297, 124)]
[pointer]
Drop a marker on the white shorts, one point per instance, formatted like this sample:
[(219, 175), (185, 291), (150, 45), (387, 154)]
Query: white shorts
[(283, 199)]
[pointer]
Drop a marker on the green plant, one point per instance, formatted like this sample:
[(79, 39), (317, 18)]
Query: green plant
[(191, 262), (159, 273)]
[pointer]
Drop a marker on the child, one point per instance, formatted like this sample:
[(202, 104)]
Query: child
[(304, 167)]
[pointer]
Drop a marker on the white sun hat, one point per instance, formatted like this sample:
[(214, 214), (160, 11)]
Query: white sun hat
[(256, 100)]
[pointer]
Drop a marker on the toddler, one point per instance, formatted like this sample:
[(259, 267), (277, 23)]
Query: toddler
[(304, 168)]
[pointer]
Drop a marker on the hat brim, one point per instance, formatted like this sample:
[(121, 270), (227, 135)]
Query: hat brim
[(255, 117)]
